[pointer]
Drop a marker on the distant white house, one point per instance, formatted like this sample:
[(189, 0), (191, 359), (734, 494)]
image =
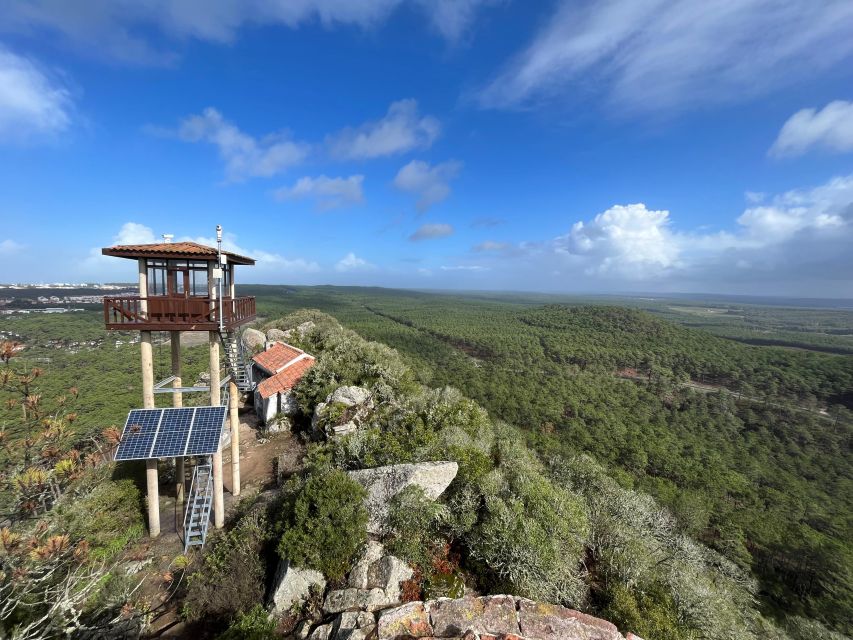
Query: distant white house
[(278, 369)]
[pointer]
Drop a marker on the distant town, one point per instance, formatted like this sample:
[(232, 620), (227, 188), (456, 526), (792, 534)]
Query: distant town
[(56, 297)]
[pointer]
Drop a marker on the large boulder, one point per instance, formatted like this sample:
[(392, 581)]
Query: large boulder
[(541, 621), (343, 412), (383, 483), (373, 582), (254, 339), (277, 335), (490, 614), (293, 586)]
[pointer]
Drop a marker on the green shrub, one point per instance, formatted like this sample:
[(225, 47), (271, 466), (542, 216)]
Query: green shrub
[(255, 624), (325, 523), (649, 614), (415, 522), (231, 576), (108, 518)]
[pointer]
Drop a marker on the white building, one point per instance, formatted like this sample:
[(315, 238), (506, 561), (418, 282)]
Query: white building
[(278, 369)]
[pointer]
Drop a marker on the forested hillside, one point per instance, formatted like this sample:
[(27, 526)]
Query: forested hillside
[(747, 446), (759, 469)]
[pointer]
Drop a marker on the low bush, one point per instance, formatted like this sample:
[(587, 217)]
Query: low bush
[(108, 518), (324, 522), (231, 576), (255, 624)]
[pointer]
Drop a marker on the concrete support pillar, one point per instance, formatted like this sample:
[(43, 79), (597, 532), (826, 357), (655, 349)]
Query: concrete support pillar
[(234, 420), (218, 495), (147, 361)]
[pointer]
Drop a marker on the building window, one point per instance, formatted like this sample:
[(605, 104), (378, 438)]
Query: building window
[(157, 278)]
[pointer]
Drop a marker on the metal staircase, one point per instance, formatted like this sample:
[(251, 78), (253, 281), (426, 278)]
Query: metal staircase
[(197, 517), (235, 359)]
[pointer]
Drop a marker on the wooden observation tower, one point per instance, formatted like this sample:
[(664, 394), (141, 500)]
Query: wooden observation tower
[(185, 286)]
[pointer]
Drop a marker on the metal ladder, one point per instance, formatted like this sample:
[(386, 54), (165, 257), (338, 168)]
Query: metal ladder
[(197, 517), (235, 360)]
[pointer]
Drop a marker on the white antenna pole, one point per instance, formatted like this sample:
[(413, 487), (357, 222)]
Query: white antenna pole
[(219, 271)]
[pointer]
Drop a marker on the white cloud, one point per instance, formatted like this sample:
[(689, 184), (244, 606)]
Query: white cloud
[(112, 269), (31, 103), (452, 18), (244, 155), (490, 245), (830, 128), (431, 231), (351, 262), (329, 193), (654, 55), (401, 130), (9, 247), (430, 183), (146, 31), (467, 267), (630, 240)]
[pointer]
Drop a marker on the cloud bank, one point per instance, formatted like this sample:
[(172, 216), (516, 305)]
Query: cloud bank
[(329, 193), (651, 55)]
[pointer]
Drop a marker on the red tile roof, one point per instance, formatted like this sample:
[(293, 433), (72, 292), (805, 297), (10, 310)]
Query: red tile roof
[(277, 357), (285, 379), (172, 250)]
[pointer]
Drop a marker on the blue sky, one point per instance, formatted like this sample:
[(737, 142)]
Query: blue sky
[(622, 145)]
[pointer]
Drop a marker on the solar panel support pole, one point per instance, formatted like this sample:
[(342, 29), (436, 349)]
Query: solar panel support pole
[(234, 420)]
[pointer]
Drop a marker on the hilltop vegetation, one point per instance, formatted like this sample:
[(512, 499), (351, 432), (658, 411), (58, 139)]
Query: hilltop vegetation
[(757, 473), (591, 472)]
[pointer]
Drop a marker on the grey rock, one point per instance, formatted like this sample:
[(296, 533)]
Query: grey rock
[(323, 632), (293, 586), (490, 614), (357, 403), (541, 621), (358, 574), (387, 573), (383, 483), (353, 599), (277, 335), (410, 620), (254, 339)]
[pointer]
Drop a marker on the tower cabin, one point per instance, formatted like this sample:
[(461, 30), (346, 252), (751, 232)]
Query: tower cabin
[(185, 286)]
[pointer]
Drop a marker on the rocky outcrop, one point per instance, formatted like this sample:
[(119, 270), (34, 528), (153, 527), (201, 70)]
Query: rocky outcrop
[(500, 617), (277, 335), (344, 411), (293, 586), (373, 583), (383, 483), (301, 330), (254, 339), (491, 618)]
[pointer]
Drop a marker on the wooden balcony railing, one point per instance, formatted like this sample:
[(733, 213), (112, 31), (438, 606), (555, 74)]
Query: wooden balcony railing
[(164, 313)]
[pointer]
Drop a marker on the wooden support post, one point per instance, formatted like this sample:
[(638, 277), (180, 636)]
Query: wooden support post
[(147, 359), (177, 401), (218, 496), (153, 497), (175, 341), (235, 437)]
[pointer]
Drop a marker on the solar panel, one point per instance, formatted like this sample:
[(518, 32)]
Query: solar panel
[(160, 433), (207, 427)]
